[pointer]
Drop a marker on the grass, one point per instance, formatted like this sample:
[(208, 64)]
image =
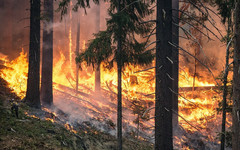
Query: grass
[(27, 133)]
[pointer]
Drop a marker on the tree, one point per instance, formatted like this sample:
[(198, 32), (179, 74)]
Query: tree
[(47, 54), (236, 79), (175, 38), (125, 23), (97, 69), (164, 78), (33, 93), (225, 9)]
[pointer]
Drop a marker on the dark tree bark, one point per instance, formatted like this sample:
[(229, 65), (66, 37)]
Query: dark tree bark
[(77, 51), (97, 71), (33, 93), (175, 39), (47, 55), (236, 80), (225, 92), (164, 68), (119, 70)]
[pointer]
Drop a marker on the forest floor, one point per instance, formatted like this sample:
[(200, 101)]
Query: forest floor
[(29, 132)]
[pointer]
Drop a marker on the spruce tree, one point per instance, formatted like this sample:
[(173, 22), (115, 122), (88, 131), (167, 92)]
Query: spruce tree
[(47, 54), (164, 78), (125, 23), (33, 93)]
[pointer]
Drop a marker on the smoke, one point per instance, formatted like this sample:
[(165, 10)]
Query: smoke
[(211, 52), (14, 27)]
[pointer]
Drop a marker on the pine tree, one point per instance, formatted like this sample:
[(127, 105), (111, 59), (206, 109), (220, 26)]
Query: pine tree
[(125, 23), (163, 104), (225, 9), (33, 93), (175, 38), (236, 79), (47, 54)]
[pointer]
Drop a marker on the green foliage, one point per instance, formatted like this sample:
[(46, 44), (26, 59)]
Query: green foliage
[(125, 25), (64, 4), (225, 8), (99, 50)]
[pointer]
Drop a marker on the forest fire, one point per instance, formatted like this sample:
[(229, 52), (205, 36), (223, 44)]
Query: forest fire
[(197, 107), (70, 93)]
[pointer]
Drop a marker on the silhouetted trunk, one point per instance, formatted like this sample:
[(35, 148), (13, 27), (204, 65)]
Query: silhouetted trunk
[(97, 71), (225, 91), (175, 39), (119, 70), (164, 68), (47, 55), (236, 80), (33, 93), (77, 52)]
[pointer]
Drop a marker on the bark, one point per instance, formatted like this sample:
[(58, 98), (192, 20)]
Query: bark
[(47, 55), (175, 38), (119, 70), (77, 51), (236, 80), (33, 93), (164, 68), (97, 71), (225, 93)]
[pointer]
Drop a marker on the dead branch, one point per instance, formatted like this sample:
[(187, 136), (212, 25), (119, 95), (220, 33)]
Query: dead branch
[(186, 121), (148, 21), (199, 23), (144, 70), (176, 46)]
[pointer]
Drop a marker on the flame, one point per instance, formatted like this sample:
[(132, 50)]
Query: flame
[(32, 116), (70, 128), (84, 45), (197, 110), (15, 73)]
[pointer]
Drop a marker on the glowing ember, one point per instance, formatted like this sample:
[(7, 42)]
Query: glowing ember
[(70, 128), (32, 116)]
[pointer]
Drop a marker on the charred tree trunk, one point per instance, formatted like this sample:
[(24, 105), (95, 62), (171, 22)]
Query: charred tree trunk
[(77, 51), (97, 71), (47, 55), (33, 93), (175, 39), (236, 80), (119, 70), (225, 93), (164, 68)]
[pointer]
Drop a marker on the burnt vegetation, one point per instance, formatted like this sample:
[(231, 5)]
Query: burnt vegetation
[(120, 74)]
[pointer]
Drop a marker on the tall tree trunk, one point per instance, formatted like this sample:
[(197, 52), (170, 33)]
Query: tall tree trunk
[(33, 93), (163, 104), (97, 71), (236, 80), (119, 70), (175, 39), (47, 55), (77, 51), (225, 93)]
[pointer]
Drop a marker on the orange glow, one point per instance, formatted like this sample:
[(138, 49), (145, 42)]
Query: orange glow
[(70, 128), (197, 107), (15, 73)]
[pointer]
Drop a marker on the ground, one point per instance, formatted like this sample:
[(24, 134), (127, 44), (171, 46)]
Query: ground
[(27, 132)]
